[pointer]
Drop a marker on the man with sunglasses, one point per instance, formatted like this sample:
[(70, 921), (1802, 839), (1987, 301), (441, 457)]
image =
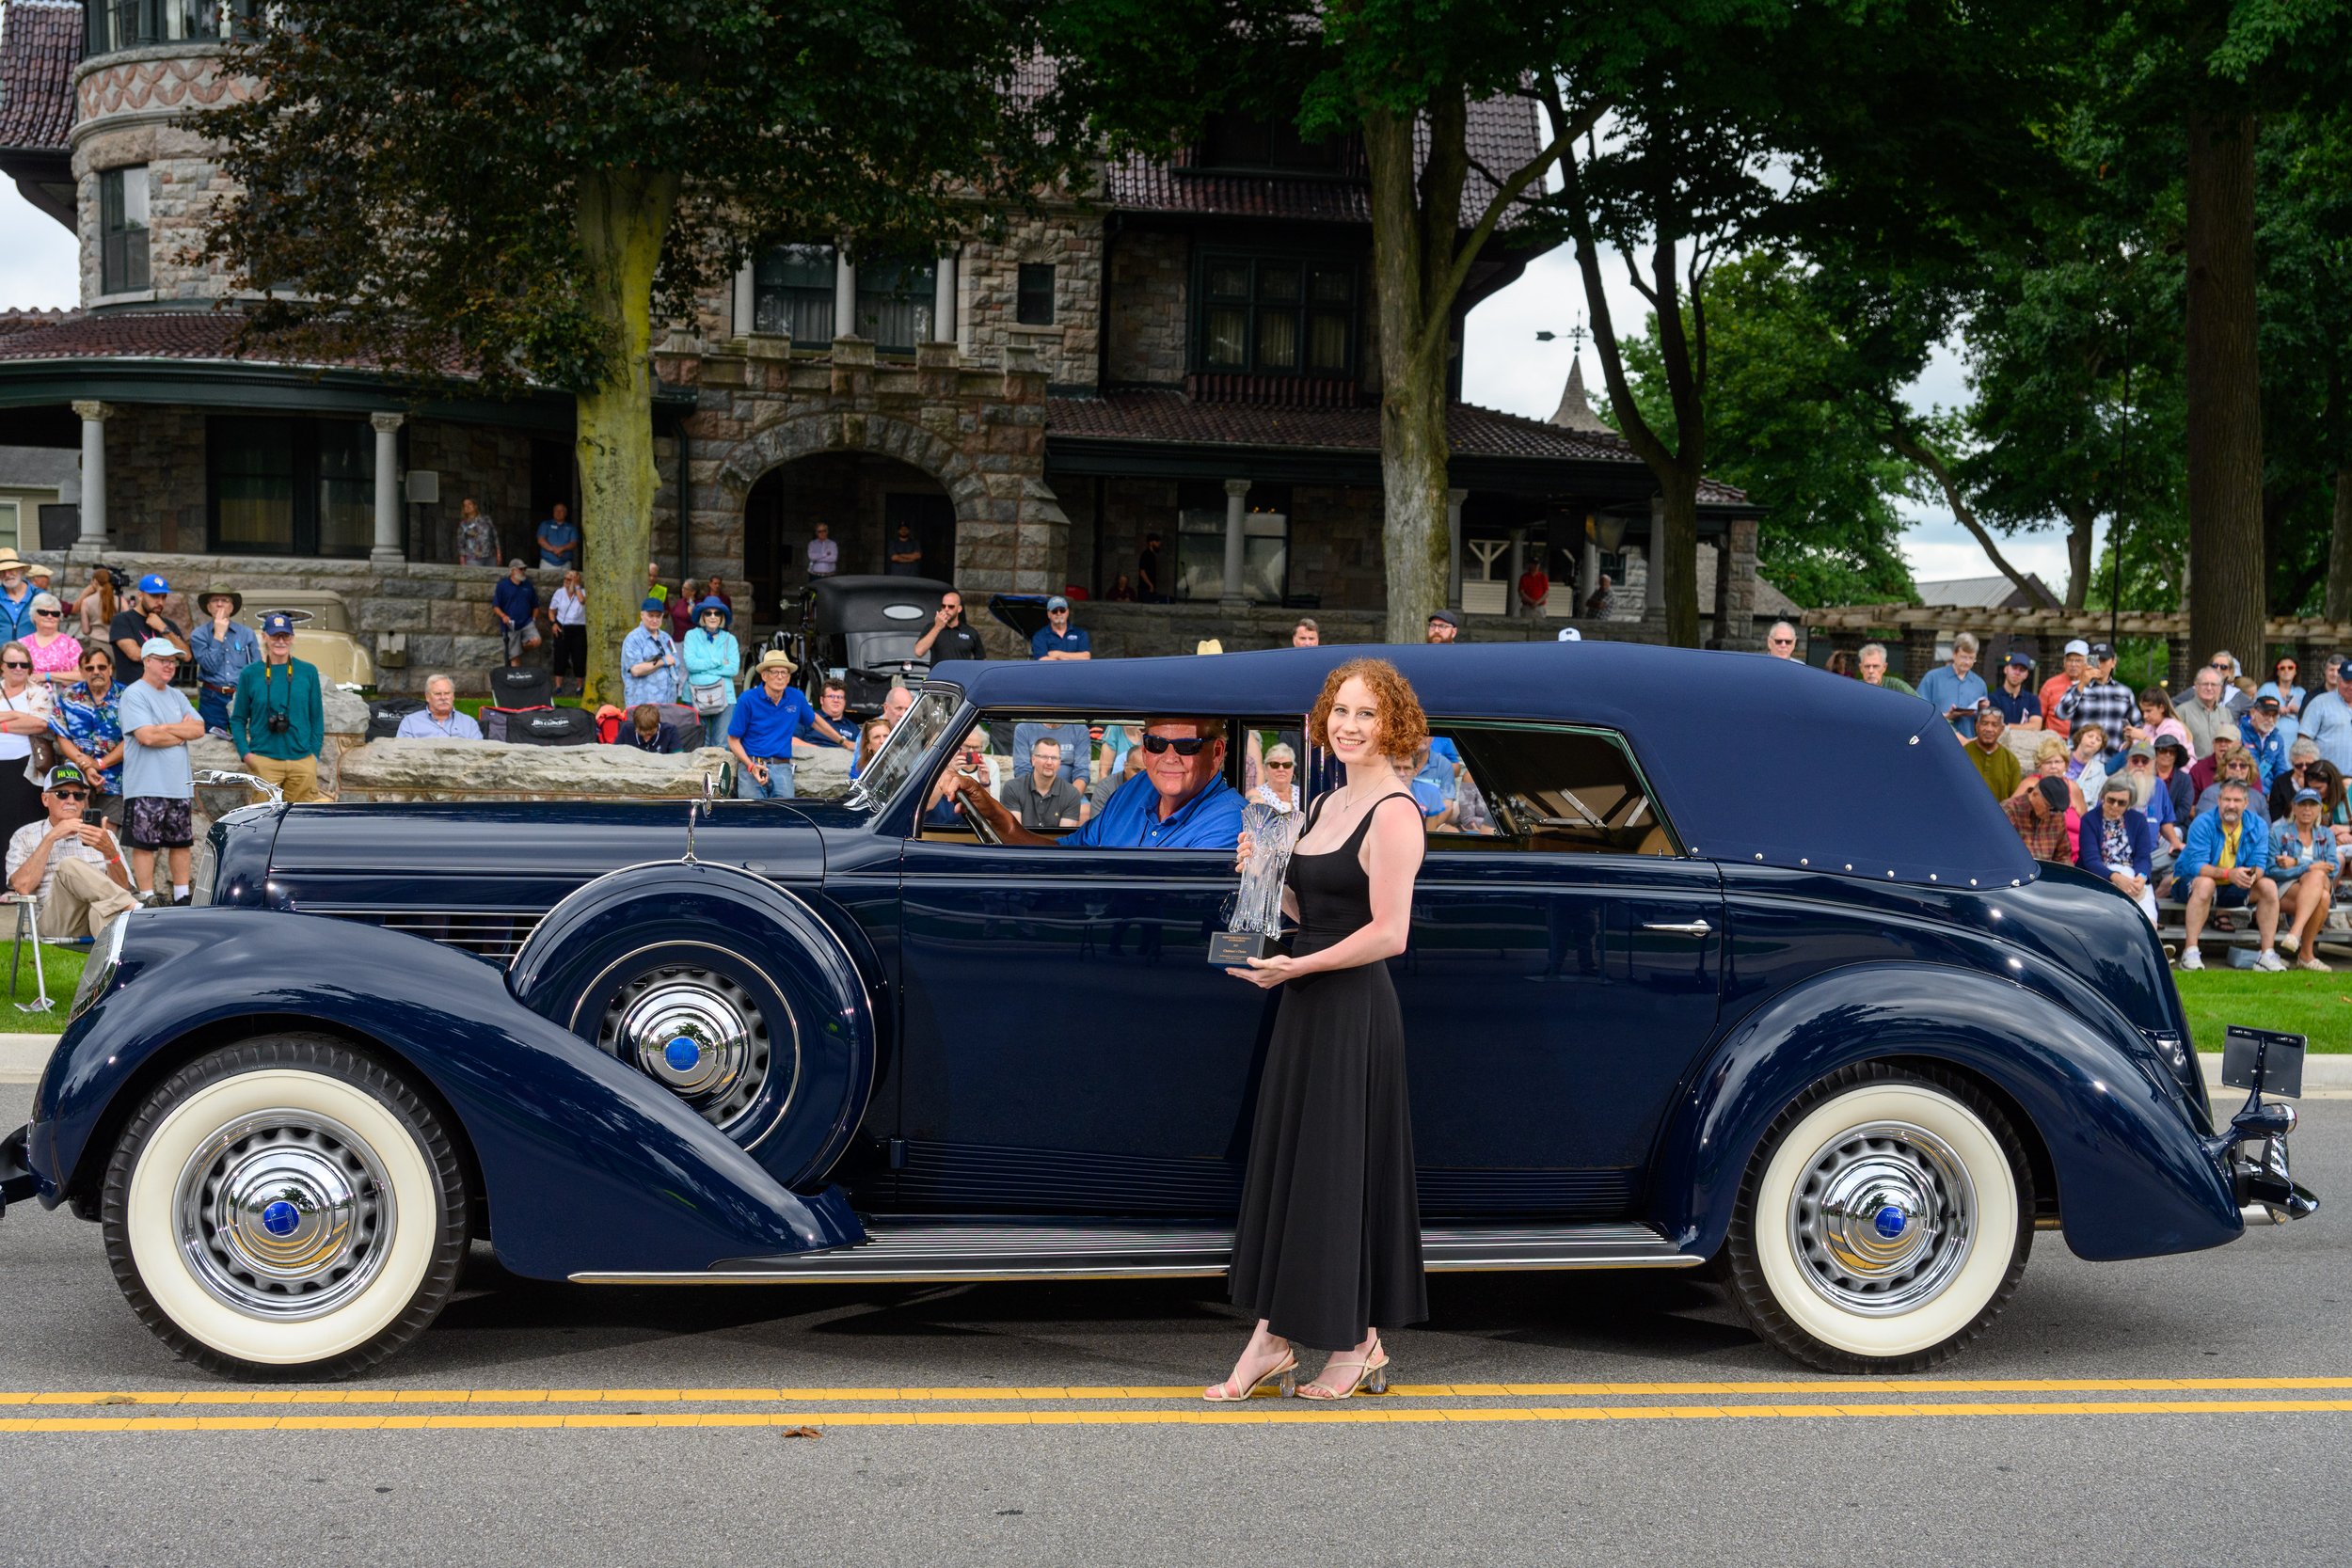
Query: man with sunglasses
[(68, 862), (1180, 800)]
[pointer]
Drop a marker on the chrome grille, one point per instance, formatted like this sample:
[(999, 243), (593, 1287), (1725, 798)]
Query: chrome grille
[(493, 934)]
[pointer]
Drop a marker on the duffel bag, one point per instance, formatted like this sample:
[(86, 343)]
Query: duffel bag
[(552, 726), (501, 723)]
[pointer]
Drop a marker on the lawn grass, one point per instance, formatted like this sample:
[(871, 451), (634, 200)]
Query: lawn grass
[(2299, 1002), (63, 968)]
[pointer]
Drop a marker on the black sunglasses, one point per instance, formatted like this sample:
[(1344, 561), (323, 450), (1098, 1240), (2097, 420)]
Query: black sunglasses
[(1281, 765), (16, 664), (49, 612), (70, 794), (1155, 744)]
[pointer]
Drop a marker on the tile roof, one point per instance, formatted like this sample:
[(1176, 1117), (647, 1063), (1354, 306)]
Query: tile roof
[(1176, 419), (40, 41), (203, 334)]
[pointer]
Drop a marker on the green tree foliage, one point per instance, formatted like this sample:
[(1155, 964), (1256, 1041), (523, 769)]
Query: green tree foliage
[(512, 190), (2305, 245)]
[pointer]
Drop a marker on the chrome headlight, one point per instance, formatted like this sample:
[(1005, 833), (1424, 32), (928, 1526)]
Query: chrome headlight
[(98, 974)]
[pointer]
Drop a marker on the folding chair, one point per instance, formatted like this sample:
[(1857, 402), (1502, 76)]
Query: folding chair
[(27, 928)]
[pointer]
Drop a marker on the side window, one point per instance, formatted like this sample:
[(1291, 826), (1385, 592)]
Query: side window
[(1551, 789)]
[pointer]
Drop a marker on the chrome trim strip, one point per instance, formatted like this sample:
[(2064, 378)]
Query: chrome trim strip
[(944, 1276)]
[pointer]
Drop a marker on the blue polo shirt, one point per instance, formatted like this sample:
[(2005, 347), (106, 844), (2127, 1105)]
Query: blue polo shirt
[(766, 728), (1130, 819), (1071, 641)]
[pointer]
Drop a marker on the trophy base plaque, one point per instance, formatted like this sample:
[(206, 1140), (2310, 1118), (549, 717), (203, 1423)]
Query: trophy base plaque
[(1234, 949)]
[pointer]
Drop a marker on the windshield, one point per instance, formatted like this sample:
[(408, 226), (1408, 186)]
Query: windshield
[(881, 779)]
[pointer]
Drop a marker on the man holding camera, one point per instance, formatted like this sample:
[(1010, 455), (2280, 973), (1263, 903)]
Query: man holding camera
[(71, 863), (278, 720)]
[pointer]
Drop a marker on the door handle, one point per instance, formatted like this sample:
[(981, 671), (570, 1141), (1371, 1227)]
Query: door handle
[(1680, 929)]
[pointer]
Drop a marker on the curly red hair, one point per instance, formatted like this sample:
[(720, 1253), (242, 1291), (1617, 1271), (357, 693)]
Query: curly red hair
[(1404, 728)]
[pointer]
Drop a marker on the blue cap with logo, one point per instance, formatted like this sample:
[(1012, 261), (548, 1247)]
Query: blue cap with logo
[(153, 583), (1056, 602), (277, 623)]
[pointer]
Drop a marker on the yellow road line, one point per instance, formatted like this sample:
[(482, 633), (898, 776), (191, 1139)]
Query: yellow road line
[(1030, 1395), (1262, 1413)]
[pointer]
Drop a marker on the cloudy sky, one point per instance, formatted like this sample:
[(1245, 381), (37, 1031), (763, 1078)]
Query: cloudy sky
[(1506, 367)]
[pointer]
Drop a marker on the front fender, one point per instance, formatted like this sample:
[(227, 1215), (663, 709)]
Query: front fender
[(587, 1165), (2133, 1180)]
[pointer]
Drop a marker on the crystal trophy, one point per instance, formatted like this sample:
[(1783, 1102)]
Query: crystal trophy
[(1257, 924)]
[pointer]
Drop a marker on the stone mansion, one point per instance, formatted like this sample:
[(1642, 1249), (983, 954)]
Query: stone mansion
[(1187, 352)]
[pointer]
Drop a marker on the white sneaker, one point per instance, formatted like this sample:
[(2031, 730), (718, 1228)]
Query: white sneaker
[(2191, 958), (2307, 961), (2269, 963)]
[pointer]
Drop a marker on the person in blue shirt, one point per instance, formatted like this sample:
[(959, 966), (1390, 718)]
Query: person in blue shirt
[(1057, 639), (559, 539), (221, 648), (2226, 865), (761, 729), (2014, 696), (649, 662), (711, 661), (1180, 800), (516, 602), (1954, 689), (2266, 738)]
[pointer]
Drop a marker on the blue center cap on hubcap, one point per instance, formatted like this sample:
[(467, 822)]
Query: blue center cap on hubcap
[(280, 1217), (1889, 1222), (681, 1054)]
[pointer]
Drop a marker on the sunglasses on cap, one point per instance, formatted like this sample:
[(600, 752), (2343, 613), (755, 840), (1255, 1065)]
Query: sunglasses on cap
[(1190, 746)]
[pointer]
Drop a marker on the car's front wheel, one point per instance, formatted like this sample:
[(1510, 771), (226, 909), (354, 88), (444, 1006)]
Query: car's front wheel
[(1883, 1221), (285, 1207)]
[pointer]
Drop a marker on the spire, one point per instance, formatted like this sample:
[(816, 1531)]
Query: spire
[(1575, 410)]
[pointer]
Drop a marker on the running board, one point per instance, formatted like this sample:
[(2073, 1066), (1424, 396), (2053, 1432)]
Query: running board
[(917, 1251)]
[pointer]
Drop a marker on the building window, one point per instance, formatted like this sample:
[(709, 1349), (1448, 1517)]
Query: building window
[(290, 485), (894, 302), (113, 24), (792, 292), (1033, 306), (123, 230), (1277, 316), (1231, 141), (11, 526), (1266, 530)]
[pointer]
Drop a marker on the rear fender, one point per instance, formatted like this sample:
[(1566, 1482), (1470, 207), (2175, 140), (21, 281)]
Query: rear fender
[(2133, 1180), (587, 1164)]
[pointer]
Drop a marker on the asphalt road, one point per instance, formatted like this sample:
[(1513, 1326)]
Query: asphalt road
[(1942, 1471)]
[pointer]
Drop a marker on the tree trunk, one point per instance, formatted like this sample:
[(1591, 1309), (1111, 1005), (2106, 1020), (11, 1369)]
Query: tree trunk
[(2339, 607), (2079, 520), (623, 217), (2224, 387), (1678, 554), (1415, 544)]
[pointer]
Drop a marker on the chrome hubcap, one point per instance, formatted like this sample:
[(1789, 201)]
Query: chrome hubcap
[(1883, 1219), (284, 1214), (696, 1032)]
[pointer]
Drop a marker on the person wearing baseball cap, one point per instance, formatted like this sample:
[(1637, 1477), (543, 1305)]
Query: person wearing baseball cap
[(2306, 864), (760, 730), (2104, 701), (1444, 625), (140, 618), (1057, 640), (649, 659), (2073, 665), (69, 861), (2265, 738), (2014, 697), (278, 720), (158, 782), (2327, 716)]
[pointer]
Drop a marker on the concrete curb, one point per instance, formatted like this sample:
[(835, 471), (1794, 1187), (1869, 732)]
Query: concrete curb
[(23, 1056)]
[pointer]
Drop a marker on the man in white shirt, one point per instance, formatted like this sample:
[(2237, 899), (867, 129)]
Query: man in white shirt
[(824, 556), (71, 865), (439, 720)]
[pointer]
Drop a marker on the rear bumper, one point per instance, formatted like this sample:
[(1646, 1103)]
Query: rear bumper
[(16, 1181)]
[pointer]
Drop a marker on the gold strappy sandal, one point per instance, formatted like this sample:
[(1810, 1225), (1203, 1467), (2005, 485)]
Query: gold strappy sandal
[(1286, 1370), (1370, 1372)]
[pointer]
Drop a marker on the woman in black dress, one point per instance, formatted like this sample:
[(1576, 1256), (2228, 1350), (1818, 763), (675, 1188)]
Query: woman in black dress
[(1327, 1251)]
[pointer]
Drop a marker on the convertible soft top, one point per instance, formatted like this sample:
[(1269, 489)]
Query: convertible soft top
[(1754, 759)]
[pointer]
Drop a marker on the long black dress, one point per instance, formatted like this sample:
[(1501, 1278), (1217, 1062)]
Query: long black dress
[(1329, 1242)]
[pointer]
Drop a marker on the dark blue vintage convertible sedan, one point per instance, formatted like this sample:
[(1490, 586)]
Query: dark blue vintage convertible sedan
[(1717, 964)]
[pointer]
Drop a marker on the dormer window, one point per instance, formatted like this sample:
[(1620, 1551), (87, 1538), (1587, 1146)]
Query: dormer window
[(1245, 142), (1273, 315)]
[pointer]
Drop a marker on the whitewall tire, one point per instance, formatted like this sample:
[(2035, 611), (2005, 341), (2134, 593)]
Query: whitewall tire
[(1883, 1221), (285, 1207)]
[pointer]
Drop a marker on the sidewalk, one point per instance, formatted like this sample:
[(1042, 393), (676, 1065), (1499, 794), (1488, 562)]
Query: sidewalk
[(22, 1057)]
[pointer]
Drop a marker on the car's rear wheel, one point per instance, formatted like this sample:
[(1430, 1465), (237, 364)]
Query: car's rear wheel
[(285, 1207), (1883, 1221)]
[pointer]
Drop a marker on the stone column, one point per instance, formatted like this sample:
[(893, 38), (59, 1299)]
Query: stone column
[(843, 294), (1587, 574), (2176, 664), (93, 533), (388, 550), (1654, 585), (1454, 499), (746, 302), (944, 297), (1232, 597), (1519, 569), (1918, 652)]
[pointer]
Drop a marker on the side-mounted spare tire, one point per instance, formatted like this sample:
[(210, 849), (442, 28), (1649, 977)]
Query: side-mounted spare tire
[(724, 988)]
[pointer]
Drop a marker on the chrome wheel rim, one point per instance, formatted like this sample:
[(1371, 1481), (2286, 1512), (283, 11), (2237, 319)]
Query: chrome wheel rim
[(698, 1033), (1883, 1219), (285, 1214)]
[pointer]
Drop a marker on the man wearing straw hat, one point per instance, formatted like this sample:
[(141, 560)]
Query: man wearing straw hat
[(221, 647), (16, 598), (760, 730)]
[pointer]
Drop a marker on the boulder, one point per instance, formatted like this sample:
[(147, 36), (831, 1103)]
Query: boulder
[(346, 711), (494, 770)]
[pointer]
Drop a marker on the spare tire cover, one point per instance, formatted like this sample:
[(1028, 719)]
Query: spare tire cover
[(663, 946)]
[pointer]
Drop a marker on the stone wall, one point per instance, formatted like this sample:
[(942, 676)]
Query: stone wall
[(155, 469), (987, 285), (138, 108), (489, 463), (1150, 272)]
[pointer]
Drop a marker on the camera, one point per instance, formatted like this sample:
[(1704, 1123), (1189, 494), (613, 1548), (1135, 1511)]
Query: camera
[(279, 723)]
